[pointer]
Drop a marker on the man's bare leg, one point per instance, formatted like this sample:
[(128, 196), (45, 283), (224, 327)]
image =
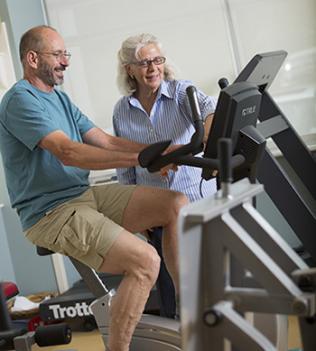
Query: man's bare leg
[(139, 263), (154, 207)]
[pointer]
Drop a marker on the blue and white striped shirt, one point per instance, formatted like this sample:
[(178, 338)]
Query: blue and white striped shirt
[(170, 118)]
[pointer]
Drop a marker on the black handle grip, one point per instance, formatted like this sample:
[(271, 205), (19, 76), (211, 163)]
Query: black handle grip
[(225, 164), (223, 83), (152, 153), (194, 103), (54, 334)]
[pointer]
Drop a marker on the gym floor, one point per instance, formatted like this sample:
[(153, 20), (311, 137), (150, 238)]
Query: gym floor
[(87, 341)]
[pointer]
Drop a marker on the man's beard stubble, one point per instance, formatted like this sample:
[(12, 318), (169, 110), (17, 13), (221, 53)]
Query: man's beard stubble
[(46, 74)]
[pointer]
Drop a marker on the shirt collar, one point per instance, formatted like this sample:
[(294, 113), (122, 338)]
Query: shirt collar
[(164, 89)]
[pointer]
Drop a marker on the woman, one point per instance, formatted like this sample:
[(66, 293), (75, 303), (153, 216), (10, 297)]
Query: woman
[(155, 107)]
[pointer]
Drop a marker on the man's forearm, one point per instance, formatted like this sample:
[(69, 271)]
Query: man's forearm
[(98, 137), (125, 145), (95, 158), (88, 155)]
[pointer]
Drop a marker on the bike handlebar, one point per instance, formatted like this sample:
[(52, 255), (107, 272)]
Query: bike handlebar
[(153, 158)]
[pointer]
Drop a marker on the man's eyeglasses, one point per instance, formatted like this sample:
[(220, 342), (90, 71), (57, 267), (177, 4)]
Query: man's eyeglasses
[(158, 60), (57, 54)]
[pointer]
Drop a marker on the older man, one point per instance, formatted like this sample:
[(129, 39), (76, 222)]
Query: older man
[(47, 147)]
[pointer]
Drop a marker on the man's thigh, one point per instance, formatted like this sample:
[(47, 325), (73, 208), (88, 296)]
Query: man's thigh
[(85, 234), (112, 199), (149, 207), (88, 236)]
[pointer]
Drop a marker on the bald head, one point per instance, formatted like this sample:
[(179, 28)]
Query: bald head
[(34, 39), (44, 57)]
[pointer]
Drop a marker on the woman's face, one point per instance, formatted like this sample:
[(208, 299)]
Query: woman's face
[(147, 73)]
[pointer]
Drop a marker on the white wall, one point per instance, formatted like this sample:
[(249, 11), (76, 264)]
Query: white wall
[(7, 78), (7, 75), (290, 25), (205, 39), (94, 40), (6, 265), (30, 272)]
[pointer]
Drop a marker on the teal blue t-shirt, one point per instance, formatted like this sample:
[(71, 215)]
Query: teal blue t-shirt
[(36, 180)]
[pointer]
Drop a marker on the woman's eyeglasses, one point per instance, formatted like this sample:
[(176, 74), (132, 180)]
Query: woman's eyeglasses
[(158, 60)]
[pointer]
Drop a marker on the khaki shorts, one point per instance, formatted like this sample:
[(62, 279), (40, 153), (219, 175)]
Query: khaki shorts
[(85, 227)]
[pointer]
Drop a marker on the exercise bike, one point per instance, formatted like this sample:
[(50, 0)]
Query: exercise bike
[(211, 308), (153, 333)]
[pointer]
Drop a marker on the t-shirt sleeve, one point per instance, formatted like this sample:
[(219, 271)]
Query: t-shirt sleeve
[(83, 122), (27, 119)]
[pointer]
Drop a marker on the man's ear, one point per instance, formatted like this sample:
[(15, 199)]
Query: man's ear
[(32, 59)]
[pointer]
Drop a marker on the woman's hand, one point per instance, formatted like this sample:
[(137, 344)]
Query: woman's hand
[(173, 167)]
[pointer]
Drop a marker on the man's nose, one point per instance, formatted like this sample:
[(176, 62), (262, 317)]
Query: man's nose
[(64, 60)]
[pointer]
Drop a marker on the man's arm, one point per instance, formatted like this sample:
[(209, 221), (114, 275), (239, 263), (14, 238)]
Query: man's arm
[(97, 137), (104, 152)]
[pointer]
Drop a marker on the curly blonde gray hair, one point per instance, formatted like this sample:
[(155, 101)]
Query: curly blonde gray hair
[(128, 53)]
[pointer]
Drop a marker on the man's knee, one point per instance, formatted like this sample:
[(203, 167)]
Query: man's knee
[(179, 200), (147, 269)]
